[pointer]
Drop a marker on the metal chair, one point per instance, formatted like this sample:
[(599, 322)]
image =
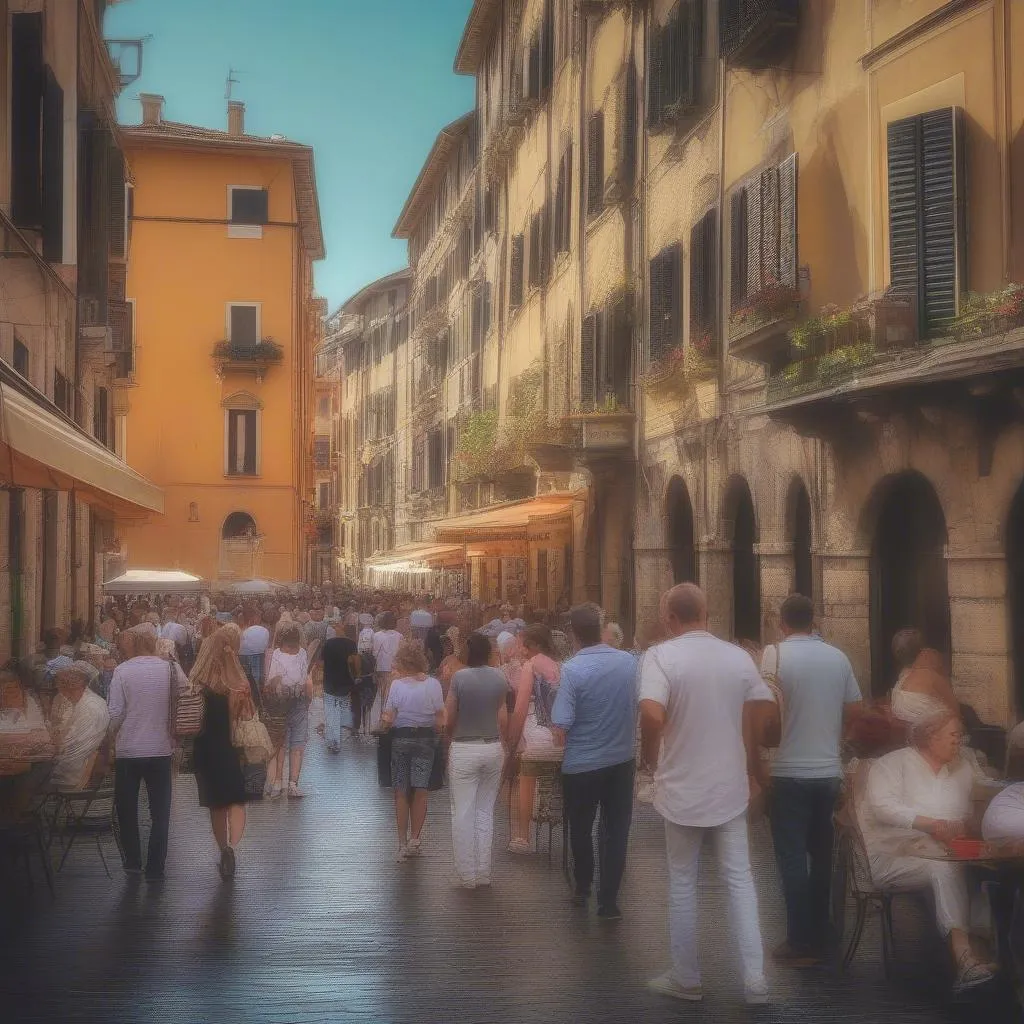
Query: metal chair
[(74, 815), (23, 826)]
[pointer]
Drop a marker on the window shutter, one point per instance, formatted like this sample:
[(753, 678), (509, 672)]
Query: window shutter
[(664, 301), (547, 38), (53, 170), (738, 248), (754, 235), (595, 164), (545, 243), (629, 126), (533, 69), (249, 419), (603, 362), (588, 362), (535, 233), (516, 283), (488, 209), (97, 242), (703, 284), (478, 220), (655, 75), (26, 122), (118, 196), (788, 226), (621, 353), (233, 466), (942, 187), (487, 307), (477, 329), (769, 226), (905, 214), (559, 205)]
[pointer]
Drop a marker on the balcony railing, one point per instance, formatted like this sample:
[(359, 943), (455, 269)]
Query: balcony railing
[(757, 33), (247, 357)]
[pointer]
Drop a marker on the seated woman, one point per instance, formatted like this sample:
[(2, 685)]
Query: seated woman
[(23, 731), (923, 688), (918, 799), (530, 730), (80, 721)]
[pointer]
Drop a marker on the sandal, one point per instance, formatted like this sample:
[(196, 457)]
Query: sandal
[(972, 973)]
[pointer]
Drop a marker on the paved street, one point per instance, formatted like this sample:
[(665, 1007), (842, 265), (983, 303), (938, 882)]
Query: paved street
[(322, 925)]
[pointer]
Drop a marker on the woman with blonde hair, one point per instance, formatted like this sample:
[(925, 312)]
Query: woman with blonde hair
[(227, 701), (288, 689), (414, 715)]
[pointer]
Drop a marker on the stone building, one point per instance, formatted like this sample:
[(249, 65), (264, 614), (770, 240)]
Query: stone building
[(65, 328), (751, 266)]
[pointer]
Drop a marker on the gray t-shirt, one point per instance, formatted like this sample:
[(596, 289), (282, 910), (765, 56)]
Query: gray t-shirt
[(479, 692)]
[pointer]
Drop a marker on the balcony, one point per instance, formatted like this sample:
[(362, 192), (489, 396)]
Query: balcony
[(759, 330), (757, 33), (247, 357)]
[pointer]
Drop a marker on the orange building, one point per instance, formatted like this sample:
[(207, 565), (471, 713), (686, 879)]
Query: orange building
[(225, 228)]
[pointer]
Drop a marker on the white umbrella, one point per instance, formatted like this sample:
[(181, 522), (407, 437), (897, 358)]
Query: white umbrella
[(254, 587), (155, 581)]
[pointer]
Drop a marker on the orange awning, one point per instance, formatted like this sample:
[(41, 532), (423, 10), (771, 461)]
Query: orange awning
[(415, 554), (506, 522)]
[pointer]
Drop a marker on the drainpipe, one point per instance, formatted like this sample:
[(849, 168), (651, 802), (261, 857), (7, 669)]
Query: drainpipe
[(581, 241), (723, 333)]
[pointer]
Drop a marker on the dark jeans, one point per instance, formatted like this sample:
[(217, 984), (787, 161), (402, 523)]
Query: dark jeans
[(156, 773), (611, 789), (803, 833)]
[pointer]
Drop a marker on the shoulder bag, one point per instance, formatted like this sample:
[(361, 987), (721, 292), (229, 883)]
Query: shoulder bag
[(189, 710)]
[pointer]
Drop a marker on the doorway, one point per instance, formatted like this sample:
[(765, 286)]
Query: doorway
[(746, 570), (800, 537), (680, 532), (909, 584)]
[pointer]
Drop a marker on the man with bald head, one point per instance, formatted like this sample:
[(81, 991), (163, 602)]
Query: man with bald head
[(693, 690)]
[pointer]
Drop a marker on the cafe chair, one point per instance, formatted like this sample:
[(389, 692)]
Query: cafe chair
[(87, 812), (23, 830)]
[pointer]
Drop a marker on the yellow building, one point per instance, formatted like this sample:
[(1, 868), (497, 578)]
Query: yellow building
[(225, 228)]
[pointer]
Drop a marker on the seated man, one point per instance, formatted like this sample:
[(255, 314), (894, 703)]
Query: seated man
[(917, 800), (80, 721), (1004, 818)]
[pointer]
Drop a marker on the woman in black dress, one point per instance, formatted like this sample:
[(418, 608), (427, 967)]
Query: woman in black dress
[(218, 763)]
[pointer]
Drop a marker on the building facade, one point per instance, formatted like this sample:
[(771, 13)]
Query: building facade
[(749, 318), (225, 230), (66, 494)]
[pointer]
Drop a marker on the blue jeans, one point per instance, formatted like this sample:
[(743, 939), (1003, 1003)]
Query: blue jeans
[(803, 833), (337, 712)]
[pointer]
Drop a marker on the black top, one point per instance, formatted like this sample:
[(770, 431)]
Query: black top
[(337, 677)]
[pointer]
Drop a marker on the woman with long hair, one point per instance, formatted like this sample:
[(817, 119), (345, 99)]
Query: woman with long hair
[(530, 728), (218, 763), (289, 686), (414, 714)]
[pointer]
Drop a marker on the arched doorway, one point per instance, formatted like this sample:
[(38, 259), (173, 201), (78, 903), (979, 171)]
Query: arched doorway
[(680, 532), (1015, 590), (238, 524), (746, 571), (799, 508), (909, 585)]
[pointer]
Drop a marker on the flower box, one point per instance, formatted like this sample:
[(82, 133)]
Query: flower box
[(603, 431), (759, 330)]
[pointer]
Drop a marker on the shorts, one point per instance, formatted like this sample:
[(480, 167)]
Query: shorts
[(297, 725), (412, 761), (538, 742)]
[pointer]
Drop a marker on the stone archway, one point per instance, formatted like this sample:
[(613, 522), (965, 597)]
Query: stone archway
[(679, 532), (746, 569), (1015, 592), (909, 582)]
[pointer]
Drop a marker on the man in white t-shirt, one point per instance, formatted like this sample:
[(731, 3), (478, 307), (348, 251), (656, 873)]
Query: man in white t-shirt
[(420, 620), (693, 689)]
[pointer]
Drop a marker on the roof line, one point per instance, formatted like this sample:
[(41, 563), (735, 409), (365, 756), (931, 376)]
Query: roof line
[(478, 24), (381, 282)]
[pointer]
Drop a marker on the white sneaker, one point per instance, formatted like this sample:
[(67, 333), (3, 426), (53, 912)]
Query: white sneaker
[(666, 985), (756, 993), (414, 848), (402, 855)]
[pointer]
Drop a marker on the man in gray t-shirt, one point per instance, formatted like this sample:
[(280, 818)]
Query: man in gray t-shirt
[(477, 720), (819, 693)]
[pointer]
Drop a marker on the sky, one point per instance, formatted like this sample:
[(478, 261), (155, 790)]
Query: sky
[(367, 83)]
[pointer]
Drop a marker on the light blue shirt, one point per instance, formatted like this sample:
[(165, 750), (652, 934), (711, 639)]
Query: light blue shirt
[(596, 706), (817, 682)]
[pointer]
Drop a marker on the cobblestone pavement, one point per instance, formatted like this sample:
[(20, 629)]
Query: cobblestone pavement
[(322, 925)]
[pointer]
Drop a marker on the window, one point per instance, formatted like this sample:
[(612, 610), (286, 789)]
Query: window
[(323, 408), (62, 392), (101, 417), (247, 211), (927, 230), (665, 314), (763, 233), (704, 285), (193, 511), (605, 357), (27, 85), (324, 500), (563, 203), (242, 442), (535, 249), (243, 324), (21, 358), (627, 170), (435, 459), (595, 164), (515, 288), (673, 56)]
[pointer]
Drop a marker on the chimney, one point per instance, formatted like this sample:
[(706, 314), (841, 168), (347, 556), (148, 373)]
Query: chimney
[(152, 108), (236, 118)]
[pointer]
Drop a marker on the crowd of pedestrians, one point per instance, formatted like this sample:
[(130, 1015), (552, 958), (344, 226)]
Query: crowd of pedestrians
[(467, 697)]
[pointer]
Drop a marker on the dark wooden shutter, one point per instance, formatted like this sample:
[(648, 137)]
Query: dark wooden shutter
[(478, 220), (533, 69), (620, 350), (118, 196), (515, 291), (545, 243), (488, 209), (588, 361), (53, 169), (737, 248), (560, 200), (486, 307), (755, 236), (905, 213), (664, 301), (655, 75), (595, 164), (769, 226), (477, 325), (788, 225), (942, 181), (535, 248), (547, 45), (27, 84), (233, 441), (703, 283), (249, 465), (629, 125)]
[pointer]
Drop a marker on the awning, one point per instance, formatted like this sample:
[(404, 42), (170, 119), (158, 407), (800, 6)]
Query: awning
[(419, 554), (507, 522), (40, 449), (155, 581)]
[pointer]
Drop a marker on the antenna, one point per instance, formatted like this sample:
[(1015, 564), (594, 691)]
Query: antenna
[(231, 80)]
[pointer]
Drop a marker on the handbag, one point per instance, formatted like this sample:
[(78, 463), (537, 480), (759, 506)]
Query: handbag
[(251, 737), (185, 710)]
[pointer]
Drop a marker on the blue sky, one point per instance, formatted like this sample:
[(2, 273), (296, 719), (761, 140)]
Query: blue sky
[(367, 83)]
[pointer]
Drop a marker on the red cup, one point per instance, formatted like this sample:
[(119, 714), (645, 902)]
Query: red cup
[(967, 848)]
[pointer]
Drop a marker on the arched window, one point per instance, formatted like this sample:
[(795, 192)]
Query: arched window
[(238, 525), (679, 532), (746, 569)]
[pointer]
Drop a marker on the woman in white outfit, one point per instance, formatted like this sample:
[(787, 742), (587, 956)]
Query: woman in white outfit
[(918, 800), (477, 719), (289, 681)]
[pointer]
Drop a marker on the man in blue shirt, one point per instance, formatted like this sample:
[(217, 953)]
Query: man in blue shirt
[(596, 709)]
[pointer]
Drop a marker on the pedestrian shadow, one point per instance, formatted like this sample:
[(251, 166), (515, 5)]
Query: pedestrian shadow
[(218, 923)]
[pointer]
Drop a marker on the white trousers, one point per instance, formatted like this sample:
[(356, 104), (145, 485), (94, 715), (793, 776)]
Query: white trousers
[(947, 882), (733, 854), (474, 778)]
